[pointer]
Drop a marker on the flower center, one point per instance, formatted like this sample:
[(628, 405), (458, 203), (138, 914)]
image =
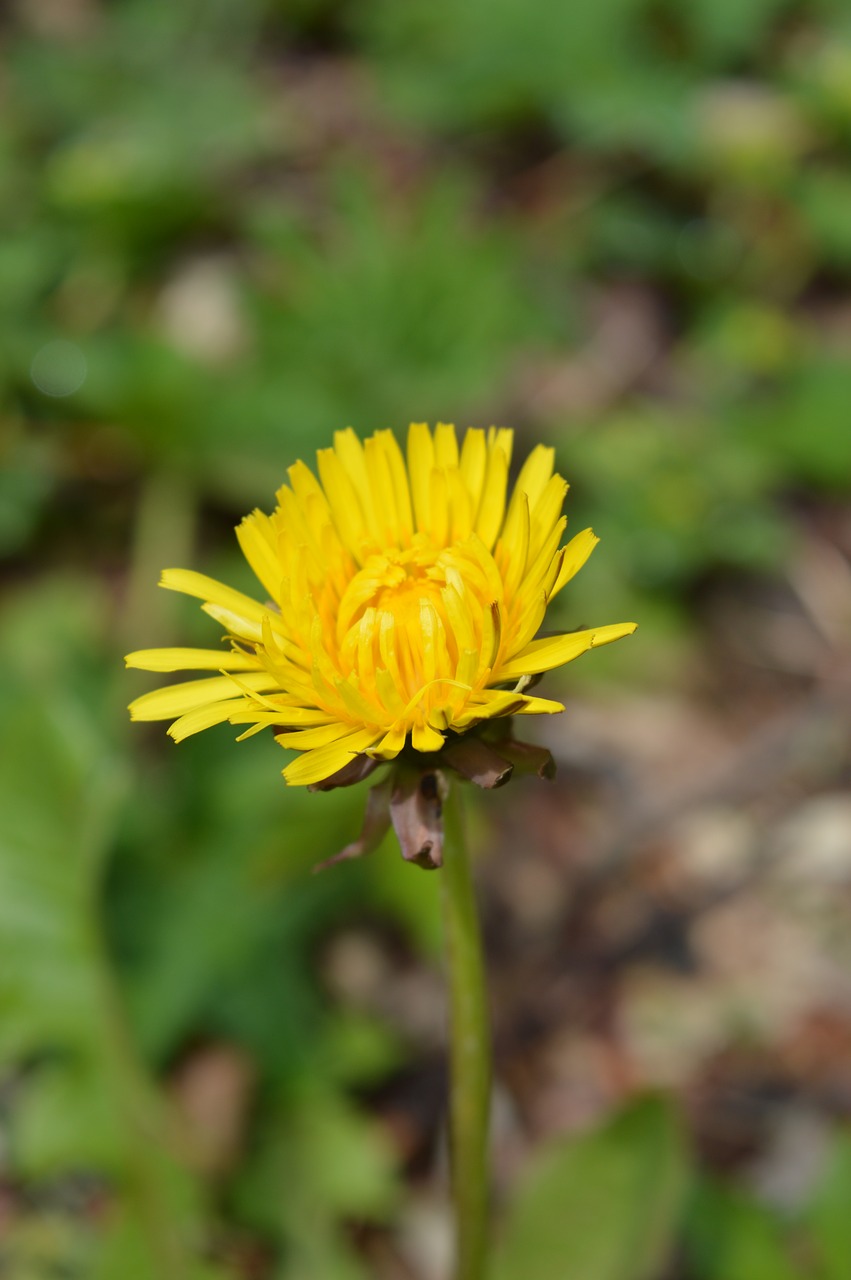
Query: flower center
[(421, 623), (394, 582)]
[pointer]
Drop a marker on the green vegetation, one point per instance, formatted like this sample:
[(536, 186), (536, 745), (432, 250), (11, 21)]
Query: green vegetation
[(230, 229)]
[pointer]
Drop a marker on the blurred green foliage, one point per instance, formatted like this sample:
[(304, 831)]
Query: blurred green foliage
[(229, 229), (605, 1207), (733, 1236)]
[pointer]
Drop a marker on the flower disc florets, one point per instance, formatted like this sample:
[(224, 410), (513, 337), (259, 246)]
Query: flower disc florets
[(403, 602)]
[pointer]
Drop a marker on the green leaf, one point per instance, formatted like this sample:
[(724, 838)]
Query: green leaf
[(85, 1103), (829, 1214), (318, 1160), (805, 426), (732, 1237), (723, 29), (603, 1207), (824, 197)]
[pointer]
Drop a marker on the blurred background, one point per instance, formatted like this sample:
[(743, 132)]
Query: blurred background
[(623, 228)]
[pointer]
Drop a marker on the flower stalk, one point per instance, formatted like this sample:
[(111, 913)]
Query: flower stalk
[(470, 1047)]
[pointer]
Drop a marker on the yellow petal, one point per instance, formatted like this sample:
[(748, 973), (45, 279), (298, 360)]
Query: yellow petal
[(351, 454), (527, 623), (420, 466), (492, 508), (388, 692), (284, 717), (399, 475), (491, 635), (474, 461), (382, 492), (438, 507), (546, 513), (236, 624), (352, 457), (257, 539), (445, 446), (543, 655), (294, 534), (367, 635), (391, 744), (308, 739), (576, 553), (468, 666), (204, 588), (424, 639), (485, 564), (459, 617), (424, 738), (535, 473), (538, 706), (305, 485), (486, 705), (388, 648), (343, 502), (462, 512), (201, 718), (320, 763), (501, 438), (175, 699), (539, 565), (513, 547), (357, 702), (190, 660)]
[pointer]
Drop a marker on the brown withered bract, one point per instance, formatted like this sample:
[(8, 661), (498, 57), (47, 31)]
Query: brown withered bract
[(410, 796)]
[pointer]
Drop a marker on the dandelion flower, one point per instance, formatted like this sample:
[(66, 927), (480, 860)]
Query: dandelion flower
[(401, 605)]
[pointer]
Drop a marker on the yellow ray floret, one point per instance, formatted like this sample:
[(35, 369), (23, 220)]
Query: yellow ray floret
[(403, 601)]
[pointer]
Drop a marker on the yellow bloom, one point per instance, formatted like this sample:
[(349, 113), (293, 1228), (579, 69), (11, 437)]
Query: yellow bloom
[(403, 602)]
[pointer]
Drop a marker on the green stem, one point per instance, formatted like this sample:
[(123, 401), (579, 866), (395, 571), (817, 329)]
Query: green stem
[(470, 1050)]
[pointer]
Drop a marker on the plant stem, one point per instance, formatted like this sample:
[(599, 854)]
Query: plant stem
[(470, 1049)]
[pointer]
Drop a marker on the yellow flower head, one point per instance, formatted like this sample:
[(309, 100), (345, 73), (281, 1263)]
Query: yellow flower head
[(403, 602)]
